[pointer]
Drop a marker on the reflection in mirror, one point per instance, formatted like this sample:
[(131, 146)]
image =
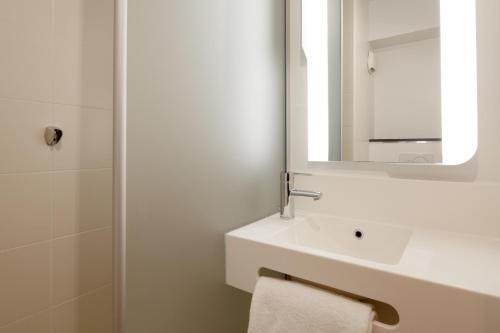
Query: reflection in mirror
[(391, 80)]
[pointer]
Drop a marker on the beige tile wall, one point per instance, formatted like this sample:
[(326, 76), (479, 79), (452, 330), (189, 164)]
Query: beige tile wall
[(56, 68)]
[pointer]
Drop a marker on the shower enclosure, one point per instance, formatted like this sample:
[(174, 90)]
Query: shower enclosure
[(200, 148)]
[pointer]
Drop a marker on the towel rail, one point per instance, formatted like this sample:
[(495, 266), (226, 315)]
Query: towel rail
[(387, 316)]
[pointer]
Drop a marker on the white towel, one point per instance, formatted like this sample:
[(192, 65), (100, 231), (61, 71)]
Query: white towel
[(280, 306)]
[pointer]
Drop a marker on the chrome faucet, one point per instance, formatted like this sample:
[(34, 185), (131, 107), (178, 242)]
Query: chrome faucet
[(288, 192)]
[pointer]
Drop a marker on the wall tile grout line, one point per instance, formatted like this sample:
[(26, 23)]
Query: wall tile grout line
[(93, 291), (89, 293), (52, 156), (25, 318), (48, 241), (51, 172), (53, 103)]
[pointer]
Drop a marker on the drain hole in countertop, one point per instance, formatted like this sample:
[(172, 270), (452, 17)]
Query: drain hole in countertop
[(358, 234)]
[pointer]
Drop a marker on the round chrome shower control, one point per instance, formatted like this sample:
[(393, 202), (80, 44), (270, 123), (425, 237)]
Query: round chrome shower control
[(53, 135)]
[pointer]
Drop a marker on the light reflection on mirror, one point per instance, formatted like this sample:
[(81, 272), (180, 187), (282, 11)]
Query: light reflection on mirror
[(391, 80)]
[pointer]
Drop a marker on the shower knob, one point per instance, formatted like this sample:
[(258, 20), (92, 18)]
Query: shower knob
[(53, 135)]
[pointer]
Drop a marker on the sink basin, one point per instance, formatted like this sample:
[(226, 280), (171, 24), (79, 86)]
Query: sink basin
[(376, 261), (365, 240)]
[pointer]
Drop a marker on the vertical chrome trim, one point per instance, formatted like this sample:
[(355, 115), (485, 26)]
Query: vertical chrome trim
[(119, 165)]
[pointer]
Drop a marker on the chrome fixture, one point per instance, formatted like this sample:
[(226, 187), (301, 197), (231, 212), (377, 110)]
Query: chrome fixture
[(53, 135), (288, 192)]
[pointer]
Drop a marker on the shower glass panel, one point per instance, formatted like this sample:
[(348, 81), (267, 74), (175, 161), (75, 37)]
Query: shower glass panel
[(205, 147)]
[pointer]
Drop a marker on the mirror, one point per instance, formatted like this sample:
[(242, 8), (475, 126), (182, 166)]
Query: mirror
[(391, 80)]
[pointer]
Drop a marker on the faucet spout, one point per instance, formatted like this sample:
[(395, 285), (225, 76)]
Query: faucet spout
[(307, 194), (289, 192)]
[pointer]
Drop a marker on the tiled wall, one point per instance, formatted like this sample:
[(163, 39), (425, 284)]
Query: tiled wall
[(56, 65)]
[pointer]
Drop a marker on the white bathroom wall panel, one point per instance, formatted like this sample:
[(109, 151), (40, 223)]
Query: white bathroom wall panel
[(362, 83), (205, 146), (462, 199), (395, 17), (407, 91)]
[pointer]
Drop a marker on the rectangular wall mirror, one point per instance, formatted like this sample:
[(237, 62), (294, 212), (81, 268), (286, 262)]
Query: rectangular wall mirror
[(391, 80)]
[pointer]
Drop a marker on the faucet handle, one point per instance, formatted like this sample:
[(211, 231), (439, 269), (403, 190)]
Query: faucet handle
[(288, 176)]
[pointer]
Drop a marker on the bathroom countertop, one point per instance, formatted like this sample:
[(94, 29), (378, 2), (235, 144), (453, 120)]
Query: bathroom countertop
[(463, 261)]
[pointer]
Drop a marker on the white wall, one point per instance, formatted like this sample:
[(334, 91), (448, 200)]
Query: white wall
[(394, 17), (362, 83), (56, 68), (367, 191), (407, 91), (407, 81)]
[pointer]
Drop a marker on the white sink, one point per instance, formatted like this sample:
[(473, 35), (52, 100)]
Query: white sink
[(400, 266), (366, 240)]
